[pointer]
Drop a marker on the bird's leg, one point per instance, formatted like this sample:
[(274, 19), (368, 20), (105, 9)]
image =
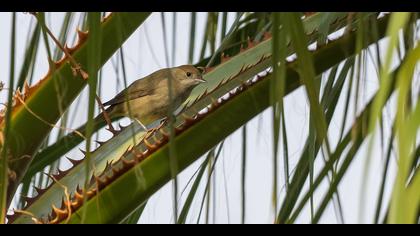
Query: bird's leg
[(105, 114), (148, 131), (141, 124), (163, 122)]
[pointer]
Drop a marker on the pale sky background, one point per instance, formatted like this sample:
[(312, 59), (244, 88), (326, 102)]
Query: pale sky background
[(140, 62)]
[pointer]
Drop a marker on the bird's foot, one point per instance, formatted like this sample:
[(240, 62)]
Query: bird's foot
[(149, 133), (152, 130), (163, 122)]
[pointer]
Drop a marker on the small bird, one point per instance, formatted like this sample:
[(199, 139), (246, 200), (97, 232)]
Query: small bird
[(147, 99)]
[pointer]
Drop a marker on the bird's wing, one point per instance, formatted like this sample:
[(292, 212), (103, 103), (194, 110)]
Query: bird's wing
[(139, 88), (126, 95)]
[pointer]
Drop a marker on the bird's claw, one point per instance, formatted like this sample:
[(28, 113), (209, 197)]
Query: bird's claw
[(163, 122)]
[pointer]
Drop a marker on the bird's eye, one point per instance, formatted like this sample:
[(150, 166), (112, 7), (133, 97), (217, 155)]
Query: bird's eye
[(188, 74)]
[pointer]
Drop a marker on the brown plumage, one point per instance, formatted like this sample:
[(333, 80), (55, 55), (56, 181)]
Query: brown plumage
[(147, 99)]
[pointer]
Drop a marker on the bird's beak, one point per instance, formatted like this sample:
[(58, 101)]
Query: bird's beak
[(200, 80)]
